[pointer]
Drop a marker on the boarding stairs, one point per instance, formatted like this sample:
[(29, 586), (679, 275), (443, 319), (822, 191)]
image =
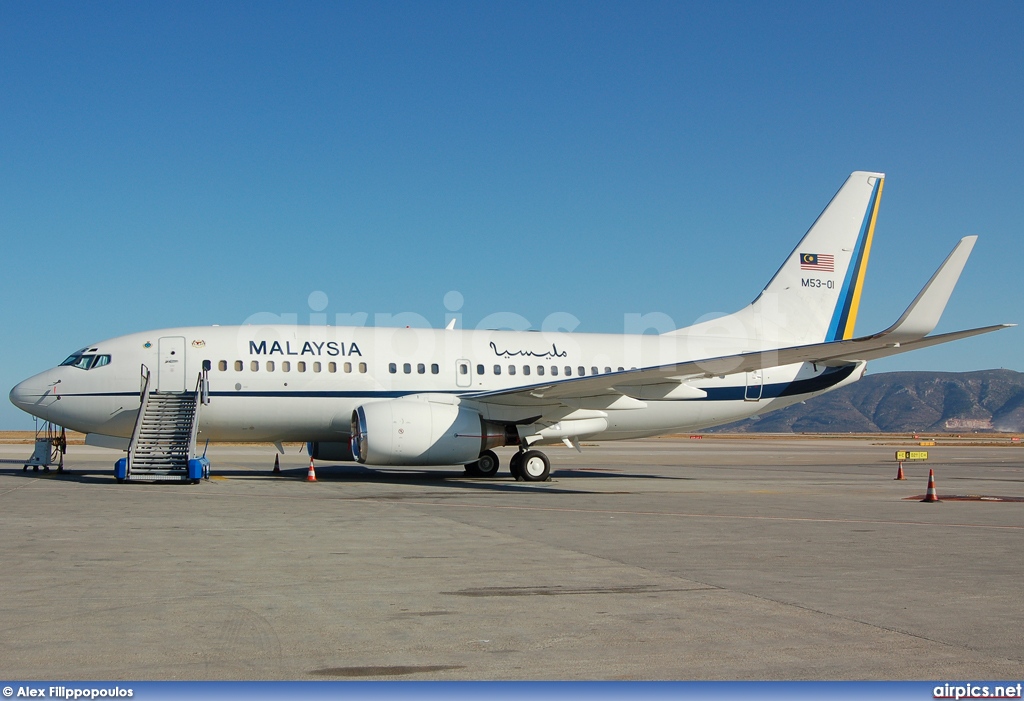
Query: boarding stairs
[(164, 439)]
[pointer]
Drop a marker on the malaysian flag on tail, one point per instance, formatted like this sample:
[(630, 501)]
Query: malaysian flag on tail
[(822, 262)]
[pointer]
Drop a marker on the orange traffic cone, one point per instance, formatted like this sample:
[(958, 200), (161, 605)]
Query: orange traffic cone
[(899, 472), (311, 475), (277, 464), (931, 494)]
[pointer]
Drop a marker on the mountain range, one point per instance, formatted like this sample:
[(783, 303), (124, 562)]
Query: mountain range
[(900, 402)]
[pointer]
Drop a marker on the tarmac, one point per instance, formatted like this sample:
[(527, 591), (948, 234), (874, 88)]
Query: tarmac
[(658, 559)]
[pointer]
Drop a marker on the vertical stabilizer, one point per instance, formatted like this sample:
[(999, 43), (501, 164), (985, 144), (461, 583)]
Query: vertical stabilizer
[(815, 295)]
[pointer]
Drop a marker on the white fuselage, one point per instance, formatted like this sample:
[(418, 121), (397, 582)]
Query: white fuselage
[(302, 383)]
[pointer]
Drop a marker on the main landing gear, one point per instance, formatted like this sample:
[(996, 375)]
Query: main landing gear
[(525, 466), (530, 466), (486, 465)]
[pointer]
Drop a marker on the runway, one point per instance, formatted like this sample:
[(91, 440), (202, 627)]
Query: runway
[(655, 559)]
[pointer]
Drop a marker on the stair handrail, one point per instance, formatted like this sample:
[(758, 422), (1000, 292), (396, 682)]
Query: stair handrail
[(202, 396), (143, 401)]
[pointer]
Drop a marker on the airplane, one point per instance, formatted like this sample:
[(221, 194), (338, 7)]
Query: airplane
[(420, 397)]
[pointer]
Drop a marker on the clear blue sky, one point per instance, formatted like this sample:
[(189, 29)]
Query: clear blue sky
[(168, 164)]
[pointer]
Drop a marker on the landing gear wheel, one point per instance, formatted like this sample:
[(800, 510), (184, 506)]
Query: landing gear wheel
[(535, 466), (485, 466), (488, 464), (515, 466)]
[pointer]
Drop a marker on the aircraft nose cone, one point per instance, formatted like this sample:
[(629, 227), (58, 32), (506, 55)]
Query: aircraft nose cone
[(27, 395)]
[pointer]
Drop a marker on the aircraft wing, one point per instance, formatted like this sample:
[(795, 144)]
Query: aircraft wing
[(910, 332), (833, 354)]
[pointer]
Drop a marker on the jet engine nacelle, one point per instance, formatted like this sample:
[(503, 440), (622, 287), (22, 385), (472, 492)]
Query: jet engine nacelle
[(420, 432), (331, 451)]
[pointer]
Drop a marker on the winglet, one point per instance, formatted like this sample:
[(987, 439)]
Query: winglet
[(924, 312)]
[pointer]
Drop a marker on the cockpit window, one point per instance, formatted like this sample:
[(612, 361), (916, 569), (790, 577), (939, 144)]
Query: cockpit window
[(79, 361), (87, 362)]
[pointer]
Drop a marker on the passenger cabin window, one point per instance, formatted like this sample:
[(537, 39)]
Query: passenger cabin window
[(348, 367), (301, 366), (270, 366), (463, 369), (286, 366), (607, 369), (479, 369), (434, 368), (222, 366), (540, 369), (581, 371), (332, 367), (526, 369), (254, 366), (554, 370), (362, 367), (392, 368), (316, 366), (407, 368), (421, 369), (511, 369), (238, 366), (593, 370), (497, 369)]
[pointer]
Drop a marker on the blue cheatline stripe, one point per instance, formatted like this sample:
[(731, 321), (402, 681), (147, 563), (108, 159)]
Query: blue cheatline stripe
[(828, 378), (846, 294)]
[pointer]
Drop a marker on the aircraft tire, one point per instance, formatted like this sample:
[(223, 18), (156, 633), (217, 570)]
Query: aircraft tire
[(515, 465), (488, 464), (535, 466), (472, 470)]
